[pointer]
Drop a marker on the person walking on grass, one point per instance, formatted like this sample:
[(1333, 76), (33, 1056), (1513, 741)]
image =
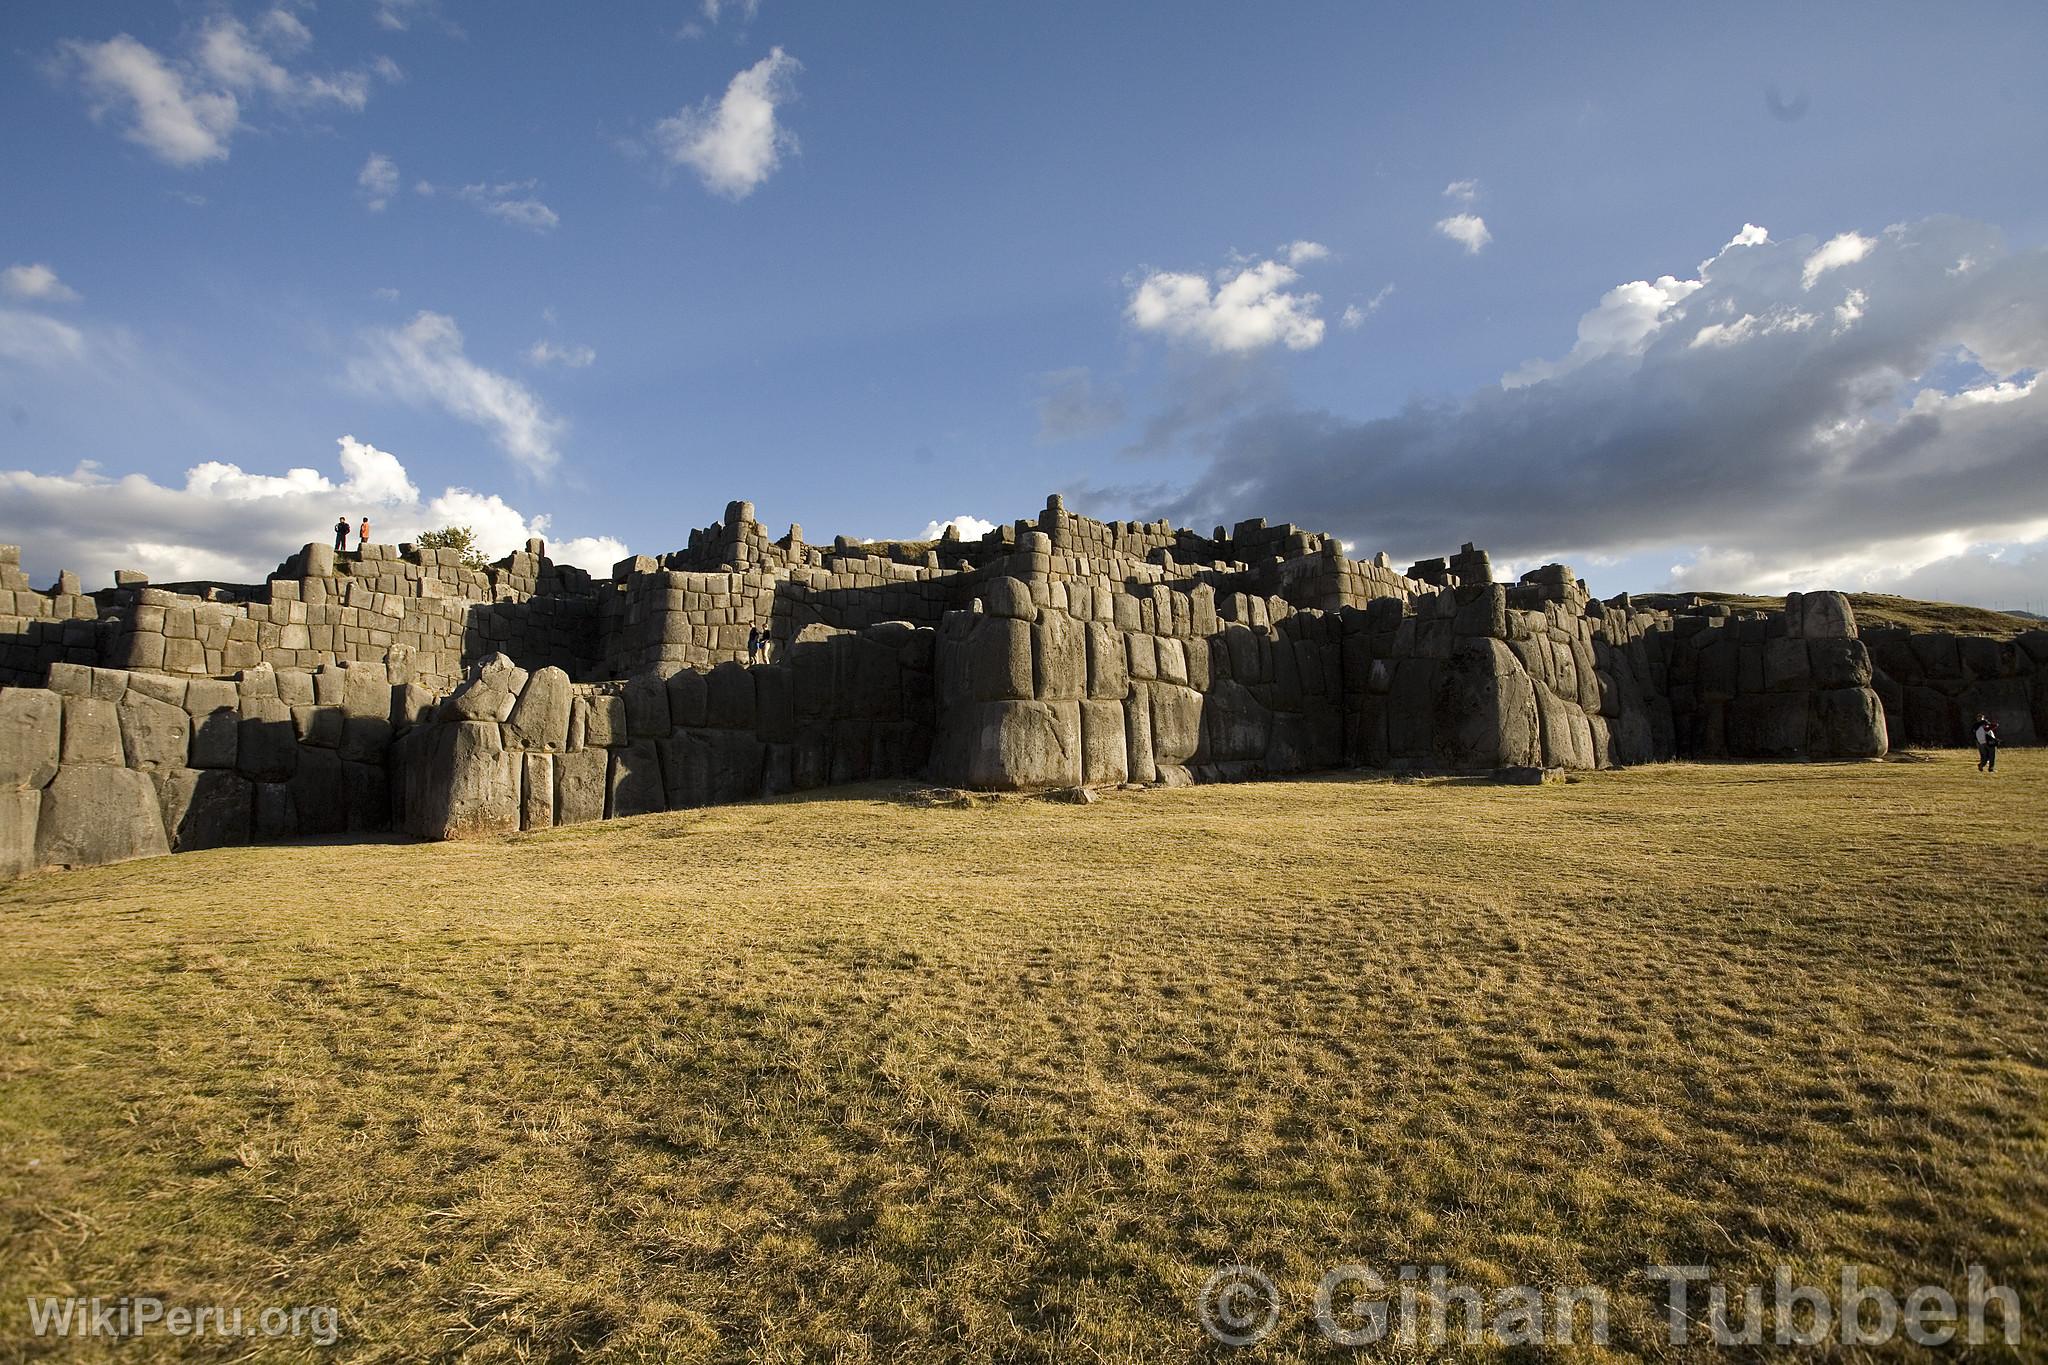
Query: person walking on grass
[(363, 536), (1986, 735), (340, 534)]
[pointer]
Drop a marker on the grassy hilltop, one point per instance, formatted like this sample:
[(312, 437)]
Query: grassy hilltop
[(853, 1079)]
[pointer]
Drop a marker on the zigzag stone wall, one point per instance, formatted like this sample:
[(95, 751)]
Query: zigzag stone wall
[(395, 689)]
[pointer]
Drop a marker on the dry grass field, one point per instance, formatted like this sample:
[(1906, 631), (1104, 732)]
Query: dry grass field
[(850, 1079)]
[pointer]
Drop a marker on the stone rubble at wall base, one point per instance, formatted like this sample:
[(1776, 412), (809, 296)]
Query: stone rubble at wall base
[(396, 689)]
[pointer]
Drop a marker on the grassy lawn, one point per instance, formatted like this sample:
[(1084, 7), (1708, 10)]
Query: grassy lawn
[(855, 1080)]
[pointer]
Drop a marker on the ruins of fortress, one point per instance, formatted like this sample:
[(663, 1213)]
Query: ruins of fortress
[(395, 689)]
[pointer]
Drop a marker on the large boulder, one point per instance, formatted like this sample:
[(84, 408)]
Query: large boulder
[(1484, 713), (95, 813), (1059, 650), (19, 809), (1108, 668), (487, 693), (1847, 722), (635, 786), (1769, 725), (92, 731), (1239, 727), (266, 743), (540, 718), (999, 653), (1105, 758), (205, 807), (1008, 597), (1819, 616), (580, 786), (462, 783), (31, 726), (1176, 723), (1024, 745)]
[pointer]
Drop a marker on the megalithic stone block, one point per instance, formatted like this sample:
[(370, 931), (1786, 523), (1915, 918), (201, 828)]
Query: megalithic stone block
[(462, 783)]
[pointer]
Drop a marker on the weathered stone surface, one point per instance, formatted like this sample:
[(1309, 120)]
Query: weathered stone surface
[(275, 815), (1138, 736), (635, 784), (1768, 725), (94, 813), (537, 788), (1239, 727), (540, 719), (729, 697), (488, 692), (464, 785), (1059, 658), (1008, 597), (1485, 709), (92, 731), (1176, 723), (216, 739), (1838, 662), (366, 691), (31, 729), (606, 725), (320, 792), (368, 791), (1848, 723), (1025, 745), (19, 809), (647, 707), (1000, 659), (319, 726), (266, 747), (1819, 616), (154, 734), (1105, 755), (689, 698), (580, 786), (205, 807), (365, 739)]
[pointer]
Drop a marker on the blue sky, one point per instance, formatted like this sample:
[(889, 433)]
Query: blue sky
[(875, 267)]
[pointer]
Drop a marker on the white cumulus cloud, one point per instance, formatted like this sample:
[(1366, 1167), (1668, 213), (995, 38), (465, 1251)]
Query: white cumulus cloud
[(1836, 252), (1714, 421), (735, 143), (970, 528), (424, 363), (186, 109), (1462, 191), (1245, 310), (226, 523), (1468, 230), (37, 283), (377, 181)]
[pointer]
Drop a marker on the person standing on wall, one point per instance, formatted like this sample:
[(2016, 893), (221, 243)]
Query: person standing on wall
[(340, 534), (1986, 735), (363, 536), (753, 646)]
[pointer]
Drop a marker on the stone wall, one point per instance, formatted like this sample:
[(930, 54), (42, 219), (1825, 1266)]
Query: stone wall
[(106, 764), (511, 750), (1934, 686), (1789, 684), (420, 609), (398, 689)]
